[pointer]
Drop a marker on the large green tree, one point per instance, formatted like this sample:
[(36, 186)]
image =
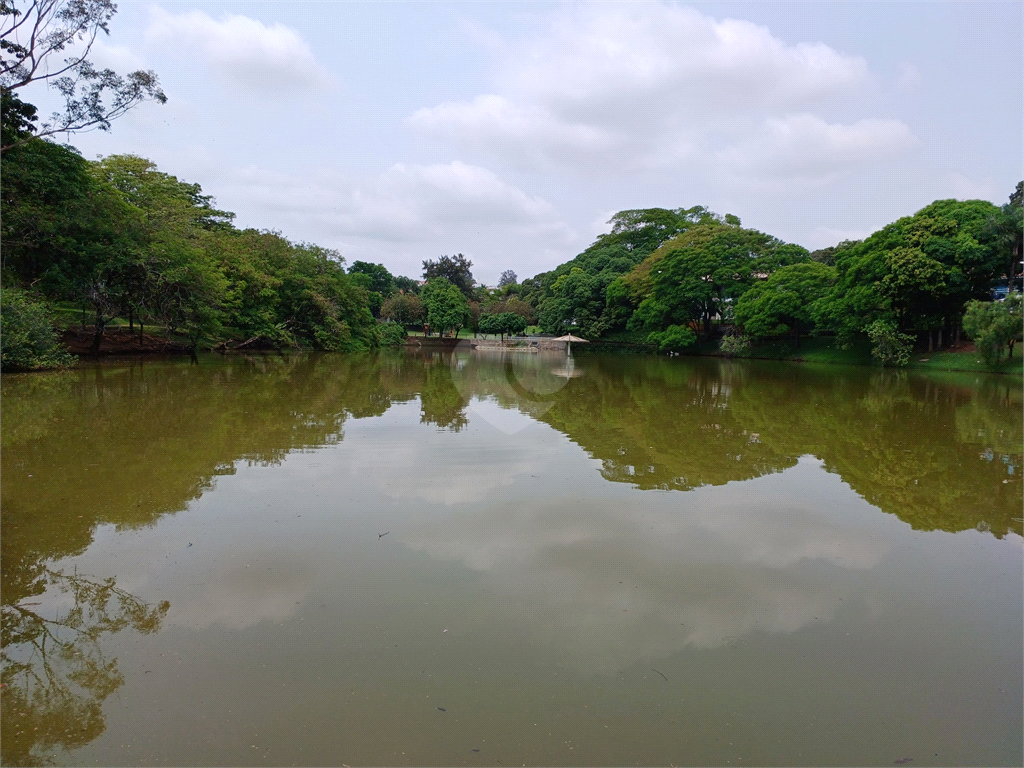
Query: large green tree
[(376, 279), (454, 269), (404, 308), (173, 277), (917, 272), (697, 275), (67, 233), (1005, 229), (502, 323), (576, 301), (781, 304), (565, 298), (446, 306)]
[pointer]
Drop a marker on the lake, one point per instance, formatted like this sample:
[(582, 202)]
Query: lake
[(487, 558)]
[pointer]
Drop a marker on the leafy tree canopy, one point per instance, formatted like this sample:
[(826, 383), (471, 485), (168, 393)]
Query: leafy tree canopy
[(404, 308), (167, 202), (406, 284), (502, 323), (455, 269), (782, 303), (995, 326), (447, 308), (695, 275), (381, 281), (917, 272)]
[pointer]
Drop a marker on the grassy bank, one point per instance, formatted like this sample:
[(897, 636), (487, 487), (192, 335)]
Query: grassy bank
[(824, 350)]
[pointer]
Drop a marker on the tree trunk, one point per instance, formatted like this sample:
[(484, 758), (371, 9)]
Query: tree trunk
[(929, 340), (131, 318), (97, 336), (938, 344)]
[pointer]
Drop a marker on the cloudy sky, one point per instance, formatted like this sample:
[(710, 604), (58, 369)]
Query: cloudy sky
[(511, 131)]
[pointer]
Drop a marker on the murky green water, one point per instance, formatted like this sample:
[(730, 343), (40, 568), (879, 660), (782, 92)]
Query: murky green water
[(486, 560)]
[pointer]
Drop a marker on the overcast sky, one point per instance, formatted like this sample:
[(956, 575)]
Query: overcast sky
[(512, 131)]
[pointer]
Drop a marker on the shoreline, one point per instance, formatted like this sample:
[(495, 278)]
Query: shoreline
[(122, 342)]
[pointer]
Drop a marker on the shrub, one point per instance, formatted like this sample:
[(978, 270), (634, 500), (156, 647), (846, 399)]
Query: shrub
[(731, 346), (890, 346), (994, 325), (673, 338), (390, 334), (28, 340)]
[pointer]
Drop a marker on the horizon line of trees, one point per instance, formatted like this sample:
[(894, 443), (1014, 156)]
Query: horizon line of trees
[(120, 238), (672, 278)]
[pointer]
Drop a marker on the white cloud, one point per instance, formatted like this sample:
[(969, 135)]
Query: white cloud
[(457, 192), (657, 54), (399, 202), (243, 51), (404, 201), (640, 86), (116, 57), (528, 128), (428, 208), (963, 187), (805, 147)]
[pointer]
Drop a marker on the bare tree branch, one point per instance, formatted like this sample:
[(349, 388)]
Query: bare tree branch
[(55, 26)]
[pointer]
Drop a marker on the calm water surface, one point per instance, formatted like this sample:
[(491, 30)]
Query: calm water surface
[(478, 559)]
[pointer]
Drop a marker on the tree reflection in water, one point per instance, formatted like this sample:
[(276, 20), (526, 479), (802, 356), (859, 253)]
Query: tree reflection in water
[(131, 444), (55, 675)]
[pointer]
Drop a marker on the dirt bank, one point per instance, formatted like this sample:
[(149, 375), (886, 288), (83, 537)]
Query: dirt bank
[(118, 341)]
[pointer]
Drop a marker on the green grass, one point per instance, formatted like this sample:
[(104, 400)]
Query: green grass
[(627, 337), (965, 361), (825, 350), (813, 350), (67, 314)]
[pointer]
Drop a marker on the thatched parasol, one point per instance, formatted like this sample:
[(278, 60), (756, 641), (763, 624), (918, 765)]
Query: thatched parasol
[(569, 339)]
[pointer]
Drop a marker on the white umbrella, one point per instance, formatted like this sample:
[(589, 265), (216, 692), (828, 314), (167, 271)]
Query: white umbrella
[(569, 339)]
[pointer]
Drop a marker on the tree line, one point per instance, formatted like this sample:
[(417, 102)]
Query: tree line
[(680, 277), (118, 238)]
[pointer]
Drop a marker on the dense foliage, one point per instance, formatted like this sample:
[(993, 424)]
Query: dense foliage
[(28, 340), (671, 277), (121, 239), (583, 294), (446, 306), (917, 273), (502, 323), (995, 325)]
